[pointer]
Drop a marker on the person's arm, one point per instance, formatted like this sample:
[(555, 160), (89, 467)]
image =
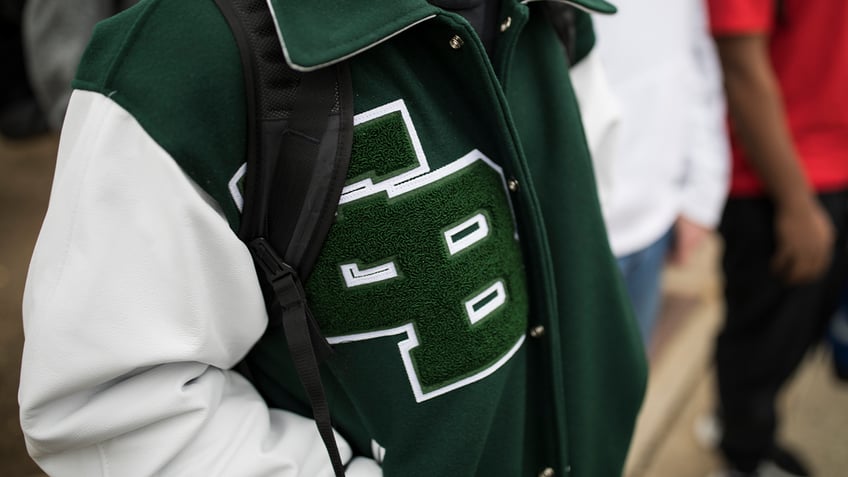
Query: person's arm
[(804, 234), (138, 302)]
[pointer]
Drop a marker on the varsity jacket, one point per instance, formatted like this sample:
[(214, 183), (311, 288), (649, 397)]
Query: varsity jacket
[(479, 324)]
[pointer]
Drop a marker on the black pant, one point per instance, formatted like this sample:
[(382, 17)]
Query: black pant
[(769, 325)]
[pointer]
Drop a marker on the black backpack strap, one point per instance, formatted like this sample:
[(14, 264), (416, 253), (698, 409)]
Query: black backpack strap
[(300, 131)]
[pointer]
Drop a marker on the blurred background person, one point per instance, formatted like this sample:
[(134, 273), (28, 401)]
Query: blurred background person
[(659, 146), (55, 34), (785, 66), (20, 114)]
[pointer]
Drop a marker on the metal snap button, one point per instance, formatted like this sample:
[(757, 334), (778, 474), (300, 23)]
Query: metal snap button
[(456, 42)]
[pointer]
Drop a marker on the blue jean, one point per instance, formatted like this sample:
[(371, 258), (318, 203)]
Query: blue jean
[(642, 271)]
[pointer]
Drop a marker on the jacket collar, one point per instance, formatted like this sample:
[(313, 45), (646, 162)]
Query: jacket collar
[(318, 33)]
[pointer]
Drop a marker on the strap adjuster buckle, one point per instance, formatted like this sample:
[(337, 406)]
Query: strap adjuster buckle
[(282, 276)]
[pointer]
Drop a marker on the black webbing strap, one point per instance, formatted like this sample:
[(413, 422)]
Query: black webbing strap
[(298, 146), (300, 331)]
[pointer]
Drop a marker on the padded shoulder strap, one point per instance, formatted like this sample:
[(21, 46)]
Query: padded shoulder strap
[(300, 134), (300, 131)]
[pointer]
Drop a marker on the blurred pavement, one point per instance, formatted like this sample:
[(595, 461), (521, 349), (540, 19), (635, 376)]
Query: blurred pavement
[(26, 170), (681, 387)]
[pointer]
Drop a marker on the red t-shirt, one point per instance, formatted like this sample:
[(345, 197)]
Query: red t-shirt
[(809, 53)]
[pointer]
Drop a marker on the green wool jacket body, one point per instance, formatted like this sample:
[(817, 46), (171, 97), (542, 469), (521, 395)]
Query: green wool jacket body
[(479, 324)]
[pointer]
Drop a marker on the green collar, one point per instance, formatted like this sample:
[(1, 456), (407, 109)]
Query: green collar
[(319, 33)]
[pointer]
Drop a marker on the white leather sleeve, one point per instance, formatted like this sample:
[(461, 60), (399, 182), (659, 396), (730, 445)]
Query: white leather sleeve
[(139, 299), (601, 116)]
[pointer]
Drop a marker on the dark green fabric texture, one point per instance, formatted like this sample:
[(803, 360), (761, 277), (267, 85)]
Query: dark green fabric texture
[(349, 27), (599, 342), (175, 67), (346, 27), (599, 6), (585, 38), (566, 400), (434, 285), (386, 145)]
